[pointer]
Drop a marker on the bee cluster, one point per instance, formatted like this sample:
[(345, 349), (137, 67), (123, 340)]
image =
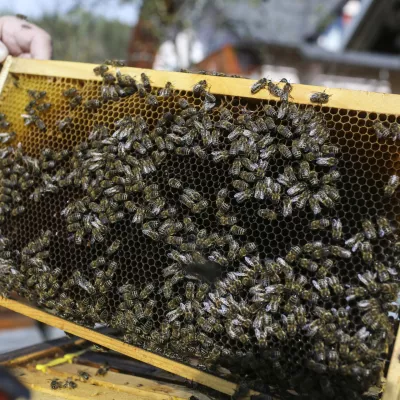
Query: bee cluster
[(56, 383), (242, 233)]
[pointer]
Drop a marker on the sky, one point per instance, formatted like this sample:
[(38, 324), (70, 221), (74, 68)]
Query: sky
[(112, 9)]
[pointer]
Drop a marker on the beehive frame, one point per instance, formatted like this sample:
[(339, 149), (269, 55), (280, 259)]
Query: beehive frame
[(362, 101)]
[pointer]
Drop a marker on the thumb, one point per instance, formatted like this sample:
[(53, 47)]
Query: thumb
[(3, 51)]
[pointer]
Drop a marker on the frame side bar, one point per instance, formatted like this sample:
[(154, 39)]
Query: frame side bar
[(392, 387), (4, 71)]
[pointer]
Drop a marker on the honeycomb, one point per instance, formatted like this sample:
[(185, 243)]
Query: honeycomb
[(191, 265)]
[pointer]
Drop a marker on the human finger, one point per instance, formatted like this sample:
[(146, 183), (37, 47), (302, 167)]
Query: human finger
[(41, 46), (3, 51)]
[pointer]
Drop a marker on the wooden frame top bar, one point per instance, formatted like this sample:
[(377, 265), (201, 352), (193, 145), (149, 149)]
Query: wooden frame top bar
[(341, 98)]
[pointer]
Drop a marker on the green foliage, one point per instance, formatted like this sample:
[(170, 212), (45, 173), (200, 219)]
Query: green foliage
[(84, 37)]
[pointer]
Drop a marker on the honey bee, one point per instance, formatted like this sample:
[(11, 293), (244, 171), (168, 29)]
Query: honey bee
[(102, 371), (200, 206), (391, 186), (339, 251), (394, 130), (270, 110), (83, 375), (71, 92), (277, 331), (314, 205), (355, 241), (322, 286), (146, 291), (384, 227), (368, 279), (389, 291), (293, 254), (320, 223), (333, 360), (369, 229), (381, 130), (183, 103), (337, 229), (37, 95), (267, 214), (113, 247), (152, 100), (320, 97), (7, 137), (200, 87), (334, 283), (227, 220), (55, 384), (17, 211), (274, 89), (355, 292), (330, 177), (326, 161), (92, 104), (382, 271), (257, 86), (366, 252), (319, 351), (100, 69), (248, 248), (308, 264), (285, 151), (43, 107), (304, 170), (218, 258), (290, 322), (64, 123), (70, 384), (149, 307)]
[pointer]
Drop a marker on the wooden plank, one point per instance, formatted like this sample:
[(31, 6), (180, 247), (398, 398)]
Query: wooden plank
[(142, 355), (341, 98), (4, 71), (39, 382), (45, 396), (129, 366), (392, 387), (36, 351), (125, 383)]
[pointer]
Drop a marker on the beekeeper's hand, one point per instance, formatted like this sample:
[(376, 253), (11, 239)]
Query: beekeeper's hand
[(21, 38)]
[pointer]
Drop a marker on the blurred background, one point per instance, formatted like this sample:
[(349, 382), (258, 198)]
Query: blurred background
[(345, 43), (336, 43)]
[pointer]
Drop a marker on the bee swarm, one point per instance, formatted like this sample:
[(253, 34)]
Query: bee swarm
[(112, 191)]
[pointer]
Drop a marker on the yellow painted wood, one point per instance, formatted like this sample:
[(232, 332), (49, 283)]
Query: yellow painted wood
[(5, 71), (124, 382), (47, 352), (142, 355), (39, 382), (341, 98), (392, 387), (45, 396)]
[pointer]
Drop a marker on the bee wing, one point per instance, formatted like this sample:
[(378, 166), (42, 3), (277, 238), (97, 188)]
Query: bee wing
[(363, 280), (364, 304), (316, 285)]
